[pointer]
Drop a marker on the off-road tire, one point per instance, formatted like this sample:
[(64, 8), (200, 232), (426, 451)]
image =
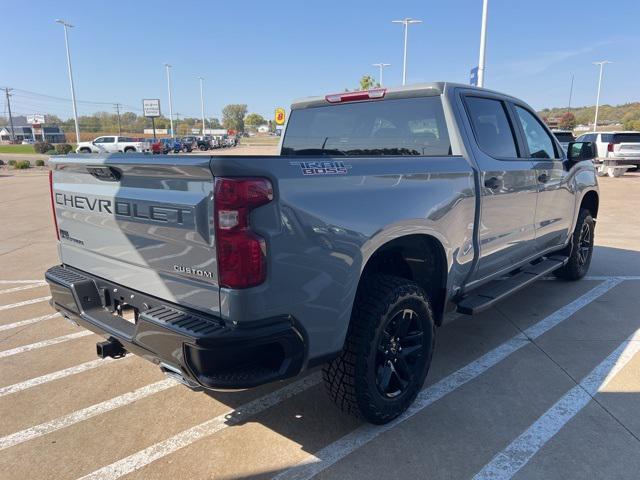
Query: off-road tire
[(351, 379), (578, 264)]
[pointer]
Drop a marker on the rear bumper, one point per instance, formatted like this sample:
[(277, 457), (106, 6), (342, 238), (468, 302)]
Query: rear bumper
[(205, 351)]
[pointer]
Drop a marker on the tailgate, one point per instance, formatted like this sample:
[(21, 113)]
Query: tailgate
[(142, 222), (627, 149)]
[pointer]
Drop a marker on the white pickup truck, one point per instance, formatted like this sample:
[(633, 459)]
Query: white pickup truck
[(113, 145)]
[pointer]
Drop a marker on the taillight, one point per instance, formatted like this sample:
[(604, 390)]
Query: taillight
[(372, 94), (53, 204), (241, 252), (610, 147)]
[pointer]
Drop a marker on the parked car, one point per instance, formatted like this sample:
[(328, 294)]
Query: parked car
[(180, 146), (564, 137), (622, 147), (385, 209), (28, 141), (191, 140), (113, 144), (158, 146)]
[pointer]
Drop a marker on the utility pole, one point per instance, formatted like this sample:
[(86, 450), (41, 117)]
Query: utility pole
[(483, 42), (571, 91), (406, 22), (202, 104), (167, 66), (73, 91), (381, 67), (602, 64), (177, 120), (117, 105), (6, 92)]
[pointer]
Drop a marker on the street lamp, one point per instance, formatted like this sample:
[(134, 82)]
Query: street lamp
[(483, 42), (602, 63), (73, 91), (381, 67), (202, 103), (406, 22), (168, 67)]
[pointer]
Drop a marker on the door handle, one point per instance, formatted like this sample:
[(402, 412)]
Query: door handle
[(492, 183), (543, 178)]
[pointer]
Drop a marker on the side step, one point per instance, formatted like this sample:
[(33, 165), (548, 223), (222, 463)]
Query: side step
[(491, 293)]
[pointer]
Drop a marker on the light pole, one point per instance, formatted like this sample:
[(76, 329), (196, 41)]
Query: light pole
[(406, 22), (381, 67), (73, 90), (602, 63), (168, 67), (202, 103), (483, 42)]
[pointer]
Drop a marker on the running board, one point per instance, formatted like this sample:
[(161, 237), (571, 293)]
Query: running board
[(496, 290)]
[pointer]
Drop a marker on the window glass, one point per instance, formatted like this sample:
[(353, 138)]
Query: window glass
[(564, 136), (606, 137), (411, 126), (626, 137), (539, 141), (492, 128), (108, 140), (99, 140)]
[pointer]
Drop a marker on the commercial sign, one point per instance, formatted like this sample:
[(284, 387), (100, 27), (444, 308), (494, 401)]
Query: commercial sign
[(473, 76), (159, 131), (151, 107), (280, 116), (35, 119)]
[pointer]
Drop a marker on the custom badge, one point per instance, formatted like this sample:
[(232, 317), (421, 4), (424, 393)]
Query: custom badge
[(328, 167)]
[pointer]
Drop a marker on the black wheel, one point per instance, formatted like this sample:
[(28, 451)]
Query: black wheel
[(580, 250), (129, 150), (387, 352), (202, 148), (85, 150)]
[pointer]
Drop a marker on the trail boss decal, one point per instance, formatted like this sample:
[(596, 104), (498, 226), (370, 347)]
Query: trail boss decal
[(323, 168)]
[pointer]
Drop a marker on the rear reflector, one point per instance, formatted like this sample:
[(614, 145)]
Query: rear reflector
[(372, 94), (53, 205)]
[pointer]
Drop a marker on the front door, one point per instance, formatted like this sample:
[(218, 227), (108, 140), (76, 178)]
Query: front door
[(508, 187)]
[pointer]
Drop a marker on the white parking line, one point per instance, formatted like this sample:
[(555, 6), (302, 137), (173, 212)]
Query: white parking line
[(44, 343), (84, 414), (362, 435), (187, 437), (30, 321), (510, 460), (23, 287), (22, 304), (7, 282), (50, 377)]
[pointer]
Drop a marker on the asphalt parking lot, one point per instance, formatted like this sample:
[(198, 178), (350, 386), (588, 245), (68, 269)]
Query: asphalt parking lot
[(545, 385)]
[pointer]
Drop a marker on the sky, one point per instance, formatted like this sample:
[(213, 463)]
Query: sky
[(269, 53)]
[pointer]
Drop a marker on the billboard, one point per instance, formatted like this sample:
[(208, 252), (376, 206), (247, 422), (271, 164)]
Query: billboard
[(280, 116), (151, 107), (35, 119), (159, 131)]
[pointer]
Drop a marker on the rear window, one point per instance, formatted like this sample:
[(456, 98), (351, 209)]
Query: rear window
[(564, 136), (403, 127), (626, 138)]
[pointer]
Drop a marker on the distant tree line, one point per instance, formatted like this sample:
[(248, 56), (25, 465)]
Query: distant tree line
[(234, 117)]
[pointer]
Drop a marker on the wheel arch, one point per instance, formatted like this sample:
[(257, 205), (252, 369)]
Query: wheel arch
[(417, 257), (591, 201)]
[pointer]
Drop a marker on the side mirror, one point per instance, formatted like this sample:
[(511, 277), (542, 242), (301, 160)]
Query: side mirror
[(579, 151)]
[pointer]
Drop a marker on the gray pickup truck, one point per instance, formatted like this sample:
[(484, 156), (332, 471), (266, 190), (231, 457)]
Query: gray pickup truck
[(384, 210)]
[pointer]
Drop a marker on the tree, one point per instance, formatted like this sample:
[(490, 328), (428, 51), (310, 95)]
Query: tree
[(254, 120), (367, 82), (215, 123), (233, 116), (567, 121)]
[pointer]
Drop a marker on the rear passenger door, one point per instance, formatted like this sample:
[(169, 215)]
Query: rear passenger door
[(508, 186), (556, 200)]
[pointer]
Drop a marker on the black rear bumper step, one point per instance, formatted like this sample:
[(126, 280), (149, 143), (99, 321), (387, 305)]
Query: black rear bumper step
[(487, 295), (200, 348)]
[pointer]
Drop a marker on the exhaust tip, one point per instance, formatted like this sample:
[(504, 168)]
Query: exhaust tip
[(111, 349)]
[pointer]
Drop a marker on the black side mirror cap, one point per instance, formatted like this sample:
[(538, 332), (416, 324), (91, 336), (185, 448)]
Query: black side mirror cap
[(579, 151)]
